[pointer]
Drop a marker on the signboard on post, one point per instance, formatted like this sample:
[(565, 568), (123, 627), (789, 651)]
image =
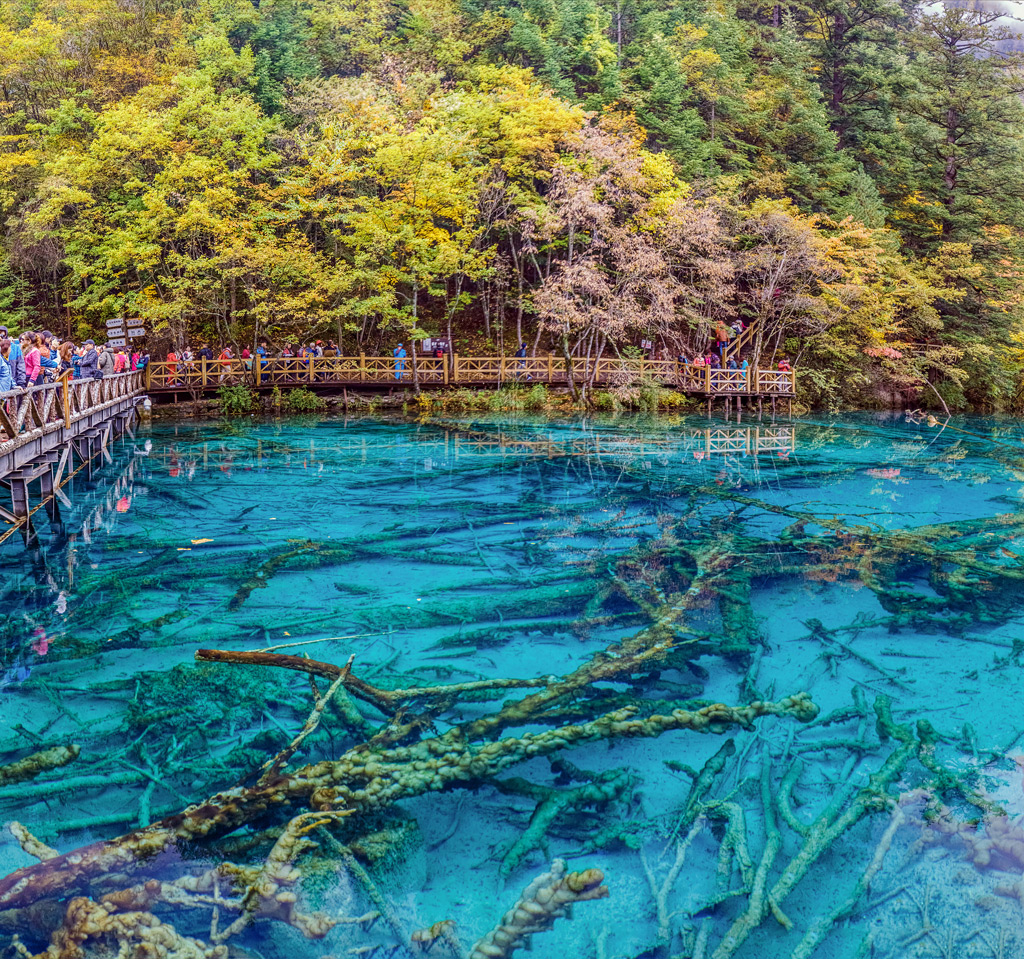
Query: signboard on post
[(118, 341), (136, 331), (117, 321), (116, 331)]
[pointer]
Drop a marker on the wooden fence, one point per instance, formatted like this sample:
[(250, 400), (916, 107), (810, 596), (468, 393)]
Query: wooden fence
[(38, 410), (202, 375)]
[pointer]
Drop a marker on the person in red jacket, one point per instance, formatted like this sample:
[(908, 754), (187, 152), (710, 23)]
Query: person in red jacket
[(225, 358)]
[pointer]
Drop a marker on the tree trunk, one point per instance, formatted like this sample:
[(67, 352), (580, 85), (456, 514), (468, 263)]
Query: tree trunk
[(567, 356), (838, 93), (412, 339), (951, 170)]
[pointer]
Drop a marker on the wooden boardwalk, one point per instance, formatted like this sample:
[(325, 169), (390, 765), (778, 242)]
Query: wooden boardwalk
[(353, 372), (50, 432)]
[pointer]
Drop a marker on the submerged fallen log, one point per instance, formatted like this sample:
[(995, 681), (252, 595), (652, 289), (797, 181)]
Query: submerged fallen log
[(363, 779)]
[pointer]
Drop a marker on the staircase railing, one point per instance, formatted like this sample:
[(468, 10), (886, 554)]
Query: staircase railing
[(736, 344)]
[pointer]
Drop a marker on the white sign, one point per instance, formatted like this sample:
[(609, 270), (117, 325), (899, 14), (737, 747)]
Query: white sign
[(117, 331), (116, 342), (115, 322), (136, 331)]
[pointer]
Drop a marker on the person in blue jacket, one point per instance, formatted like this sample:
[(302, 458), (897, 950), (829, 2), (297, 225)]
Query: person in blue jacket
[(399, 354), (49, 356), (6, 379), (15, 359)]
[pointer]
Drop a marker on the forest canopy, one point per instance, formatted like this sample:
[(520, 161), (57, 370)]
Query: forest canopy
[(579, 175)]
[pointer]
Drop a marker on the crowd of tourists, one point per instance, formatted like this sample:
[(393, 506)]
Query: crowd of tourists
[(33, 358)]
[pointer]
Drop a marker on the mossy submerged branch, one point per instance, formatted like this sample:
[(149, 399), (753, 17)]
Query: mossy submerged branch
[(361, 781)]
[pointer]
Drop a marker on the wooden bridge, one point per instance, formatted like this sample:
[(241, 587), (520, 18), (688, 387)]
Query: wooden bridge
[(337, 372), (48, 433)]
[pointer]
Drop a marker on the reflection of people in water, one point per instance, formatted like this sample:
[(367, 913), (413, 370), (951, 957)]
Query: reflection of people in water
[(41, 643)]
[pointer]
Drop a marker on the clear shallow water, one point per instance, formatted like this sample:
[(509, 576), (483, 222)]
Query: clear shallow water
[(855, 559)]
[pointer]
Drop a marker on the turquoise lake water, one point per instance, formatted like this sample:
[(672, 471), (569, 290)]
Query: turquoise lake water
[(873, 562)]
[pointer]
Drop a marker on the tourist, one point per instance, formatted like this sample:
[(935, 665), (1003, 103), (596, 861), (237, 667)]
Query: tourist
[(699, 362), (744, 365), (172, 367), (784, 365), (76, 362), (730, 364), (49, 355), (205, 354), (107, 360), (188, 362), (246, 358), (714, 362), (135, 360), (399, 354), (14, 358), (225, 358), (30, 351), (66, 354), (90, 364), (6, 376), (722, 334)]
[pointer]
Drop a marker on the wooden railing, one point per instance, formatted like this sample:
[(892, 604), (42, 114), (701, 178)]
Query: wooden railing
[(742, 339), (460, 370), (27, 413)]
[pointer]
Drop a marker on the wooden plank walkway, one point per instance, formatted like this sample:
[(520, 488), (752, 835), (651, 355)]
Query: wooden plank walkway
[(51, 431), (335, 372)]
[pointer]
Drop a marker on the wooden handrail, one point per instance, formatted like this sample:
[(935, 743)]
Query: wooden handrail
[(458, 370), (48, 406)]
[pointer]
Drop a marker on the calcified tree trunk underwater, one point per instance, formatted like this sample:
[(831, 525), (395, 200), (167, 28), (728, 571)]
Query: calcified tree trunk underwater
[(196, 874)]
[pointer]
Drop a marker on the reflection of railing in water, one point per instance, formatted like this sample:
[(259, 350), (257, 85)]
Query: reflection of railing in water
[(451, 444), (46, 429), (112, 494), (745, 442)]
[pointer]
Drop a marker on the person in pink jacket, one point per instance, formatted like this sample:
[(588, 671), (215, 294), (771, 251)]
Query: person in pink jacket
[(30, 349)]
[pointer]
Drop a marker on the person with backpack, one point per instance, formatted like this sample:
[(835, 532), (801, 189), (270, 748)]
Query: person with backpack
[(225, 358)]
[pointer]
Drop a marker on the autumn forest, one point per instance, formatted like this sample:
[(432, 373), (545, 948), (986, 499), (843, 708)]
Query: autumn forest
[(579, 175)]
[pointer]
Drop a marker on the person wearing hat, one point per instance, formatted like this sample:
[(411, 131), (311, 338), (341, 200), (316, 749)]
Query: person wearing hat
[(399, 354), (90, 365)]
